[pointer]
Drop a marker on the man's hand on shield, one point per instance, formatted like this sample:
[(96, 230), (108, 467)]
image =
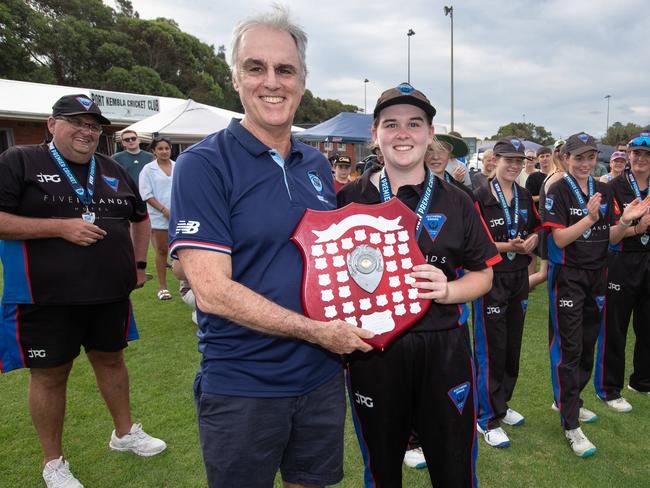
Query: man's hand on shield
[(431, 281), (340, 337)]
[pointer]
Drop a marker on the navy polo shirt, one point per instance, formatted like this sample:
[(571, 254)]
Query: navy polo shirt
[(233, 194)]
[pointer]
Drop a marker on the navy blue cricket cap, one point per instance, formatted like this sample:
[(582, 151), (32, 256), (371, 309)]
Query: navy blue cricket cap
[(78, 104), (404, 94), (579, 143), (510, 147)]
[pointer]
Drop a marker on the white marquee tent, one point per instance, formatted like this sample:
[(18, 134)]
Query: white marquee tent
[(185, 124)]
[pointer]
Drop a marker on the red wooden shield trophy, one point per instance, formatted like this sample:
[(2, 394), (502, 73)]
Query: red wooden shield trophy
[(357, 264)]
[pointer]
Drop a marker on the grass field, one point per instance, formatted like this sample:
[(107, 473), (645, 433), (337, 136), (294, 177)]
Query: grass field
[(162, 365)]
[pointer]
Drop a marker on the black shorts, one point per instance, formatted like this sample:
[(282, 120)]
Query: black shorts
[(46, 336)]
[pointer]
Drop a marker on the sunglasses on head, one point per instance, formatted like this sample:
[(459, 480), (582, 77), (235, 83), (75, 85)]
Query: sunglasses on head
[(129, 139), (639, 141)]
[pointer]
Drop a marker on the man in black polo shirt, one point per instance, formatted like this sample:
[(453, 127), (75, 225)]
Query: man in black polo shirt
[(69, 267), (535, 180)]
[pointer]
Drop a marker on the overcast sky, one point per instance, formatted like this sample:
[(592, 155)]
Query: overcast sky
[(550, 62)]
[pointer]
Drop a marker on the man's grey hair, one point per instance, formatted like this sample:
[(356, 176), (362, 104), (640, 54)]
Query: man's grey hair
[(278, 18)]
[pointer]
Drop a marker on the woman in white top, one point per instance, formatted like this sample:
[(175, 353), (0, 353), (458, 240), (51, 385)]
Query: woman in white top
[(156, 189)]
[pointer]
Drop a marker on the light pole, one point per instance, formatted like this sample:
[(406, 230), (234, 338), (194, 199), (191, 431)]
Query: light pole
[(449, 11), (365, 97), (524, 116), (607, 126), (410, 33)]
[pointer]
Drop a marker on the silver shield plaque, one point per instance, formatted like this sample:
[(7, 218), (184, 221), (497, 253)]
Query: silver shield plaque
[(366, 267)]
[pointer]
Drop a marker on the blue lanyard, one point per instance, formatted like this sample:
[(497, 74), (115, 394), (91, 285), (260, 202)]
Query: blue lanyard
[(447, 177), (84, 194), (513, 227), (635, 185), (578, 193), (422, 208)]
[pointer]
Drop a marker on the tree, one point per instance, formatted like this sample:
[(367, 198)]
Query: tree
[(85, 43), (528, 131), (618, 132)]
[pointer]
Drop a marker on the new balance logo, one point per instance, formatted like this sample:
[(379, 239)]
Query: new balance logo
[(363, 400), (187, 227), (493, 310), (614, 286), (566, 303), (36, 353), (495, 222), (48, 178)]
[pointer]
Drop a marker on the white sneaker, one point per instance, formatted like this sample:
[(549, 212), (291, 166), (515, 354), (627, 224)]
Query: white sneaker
[(619, 404), (513, 417), (579, 443), (629, 387), (137, 441), (495, 437), (585, 415), (57, 474), (414, 458)]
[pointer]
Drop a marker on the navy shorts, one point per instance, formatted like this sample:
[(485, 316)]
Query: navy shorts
[(46, 336), (246, 439)]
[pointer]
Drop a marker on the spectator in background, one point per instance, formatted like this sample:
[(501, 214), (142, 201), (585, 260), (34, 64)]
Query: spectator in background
[(534, 182), (132, 159), (617, 163), (480, 179), (621, 146), (530, 168), (156, 190), (342, 166), (456, 165)]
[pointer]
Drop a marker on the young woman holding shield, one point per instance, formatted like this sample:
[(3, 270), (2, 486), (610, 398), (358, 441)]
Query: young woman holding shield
[(423, 380)]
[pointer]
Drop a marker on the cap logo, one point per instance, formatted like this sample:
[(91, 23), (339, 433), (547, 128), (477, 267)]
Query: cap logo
[(516, 143), (405, 89), (85, 102), (583, 137)]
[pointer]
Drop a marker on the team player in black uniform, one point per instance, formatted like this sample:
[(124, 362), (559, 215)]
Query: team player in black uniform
[(628, 288), (424, 379), (579, 212), (511, 217), (437, 159), (69, 267)]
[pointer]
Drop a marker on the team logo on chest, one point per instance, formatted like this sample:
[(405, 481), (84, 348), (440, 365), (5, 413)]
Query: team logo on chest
[(524, 214), (548, 203), (111, 182), (316, 182), (433, 223), (358, 261)]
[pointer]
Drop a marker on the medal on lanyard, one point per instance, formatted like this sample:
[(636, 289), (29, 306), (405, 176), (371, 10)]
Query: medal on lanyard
[(578, 194), (512, 225), (386, 194), (637, 193), (85, 195)]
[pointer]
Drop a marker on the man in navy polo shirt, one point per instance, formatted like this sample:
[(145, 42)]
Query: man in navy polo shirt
[(269, 389)]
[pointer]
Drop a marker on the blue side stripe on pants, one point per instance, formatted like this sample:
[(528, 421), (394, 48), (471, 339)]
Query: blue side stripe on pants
[(11, 356), (599, 369), (486, 412), (555, 347)]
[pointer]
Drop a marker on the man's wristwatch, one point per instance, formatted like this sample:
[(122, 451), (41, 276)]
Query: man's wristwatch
[(141, 265)]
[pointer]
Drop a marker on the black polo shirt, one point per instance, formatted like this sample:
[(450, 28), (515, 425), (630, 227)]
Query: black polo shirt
[(623, 194), (534, 182), (494, 218), (459, 242), (561, 210), (54, 271)]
